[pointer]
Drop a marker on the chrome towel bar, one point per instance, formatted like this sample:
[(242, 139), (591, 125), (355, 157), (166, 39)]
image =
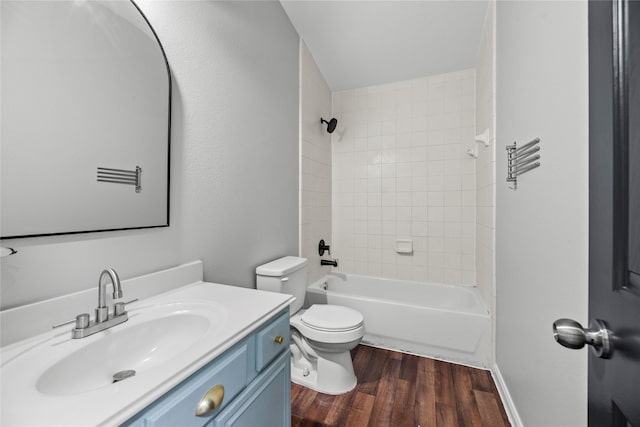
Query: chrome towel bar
[(521, 160), (121, 176)]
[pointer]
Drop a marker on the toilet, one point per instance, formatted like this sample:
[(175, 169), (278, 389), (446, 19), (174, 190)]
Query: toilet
[(322, 335)]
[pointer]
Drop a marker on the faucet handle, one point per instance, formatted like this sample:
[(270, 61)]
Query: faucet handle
[(118, 308), (323, 247), (81, 321)]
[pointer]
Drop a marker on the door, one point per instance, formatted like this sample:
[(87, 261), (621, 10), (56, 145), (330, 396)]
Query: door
[(614, 217), (614, 209)]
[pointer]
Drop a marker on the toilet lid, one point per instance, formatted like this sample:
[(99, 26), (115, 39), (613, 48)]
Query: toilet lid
[(327, 317)]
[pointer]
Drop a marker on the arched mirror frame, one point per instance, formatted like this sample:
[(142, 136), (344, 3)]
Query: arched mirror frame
[(165, 221)]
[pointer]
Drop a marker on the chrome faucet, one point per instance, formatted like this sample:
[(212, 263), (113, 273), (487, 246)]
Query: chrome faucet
[(104, 320), (102, 312)]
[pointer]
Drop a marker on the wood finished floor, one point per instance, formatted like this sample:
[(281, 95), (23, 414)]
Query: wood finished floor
[(397, 390)]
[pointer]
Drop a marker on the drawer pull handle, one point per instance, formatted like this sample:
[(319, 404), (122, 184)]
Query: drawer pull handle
[(279, 339), (211, 400)]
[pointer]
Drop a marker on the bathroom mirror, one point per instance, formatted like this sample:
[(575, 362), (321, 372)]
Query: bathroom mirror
[(85, 85)]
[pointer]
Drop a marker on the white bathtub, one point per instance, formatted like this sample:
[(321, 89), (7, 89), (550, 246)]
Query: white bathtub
[(441, 321)]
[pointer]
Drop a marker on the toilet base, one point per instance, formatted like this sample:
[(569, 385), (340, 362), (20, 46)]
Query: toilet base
[(330, 373)]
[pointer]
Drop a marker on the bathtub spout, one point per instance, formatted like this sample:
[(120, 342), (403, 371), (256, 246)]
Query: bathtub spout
[(333, 262)]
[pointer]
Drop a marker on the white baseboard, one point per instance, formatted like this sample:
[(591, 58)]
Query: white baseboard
[(509, 406)]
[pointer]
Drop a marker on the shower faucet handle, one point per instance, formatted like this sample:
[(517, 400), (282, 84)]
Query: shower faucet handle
[(323, 247)]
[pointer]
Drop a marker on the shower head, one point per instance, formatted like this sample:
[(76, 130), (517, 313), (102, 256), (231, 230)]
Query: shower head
[(331, 124)]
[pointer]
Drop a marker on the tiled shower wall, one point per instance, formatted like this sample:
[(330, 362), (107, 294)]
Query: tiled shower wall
[(400, 171), (486, 163), (315, 164)]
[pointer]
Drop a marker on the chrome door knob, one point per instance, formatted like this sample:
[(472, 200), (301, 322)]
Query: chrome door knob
[(571, 334)]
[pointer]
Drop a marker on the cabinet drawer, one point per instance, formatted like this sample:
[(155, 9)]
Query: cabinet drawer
[(271, 340), (265, 402), (178, 408)]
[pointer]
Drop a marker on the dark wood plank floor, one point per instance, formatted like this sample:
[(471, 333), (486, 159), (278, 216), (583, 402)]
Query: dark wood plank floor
[(398, 390)]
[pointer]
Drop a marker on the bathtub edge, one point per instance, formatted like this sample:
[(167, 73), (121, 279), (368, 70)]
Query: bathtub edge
[(438, 347)]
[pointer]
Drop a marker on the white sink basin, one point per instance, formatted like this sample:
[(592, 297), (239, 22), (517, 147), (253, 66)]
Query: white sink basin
[(54, 380), (167, 332), (153, 339)]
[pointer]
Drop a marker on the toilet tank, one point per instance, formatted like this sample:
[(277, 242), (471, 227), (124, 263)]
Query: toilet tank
[(287, 275)]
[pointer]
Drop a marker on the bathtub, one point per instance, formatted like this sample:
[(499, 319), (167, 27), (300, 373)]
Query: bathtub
[(445, 322)]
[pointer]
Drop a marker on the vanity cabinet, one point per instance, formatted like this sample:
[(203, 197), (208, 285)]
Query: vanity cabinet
[(261, 402), (255, 379)]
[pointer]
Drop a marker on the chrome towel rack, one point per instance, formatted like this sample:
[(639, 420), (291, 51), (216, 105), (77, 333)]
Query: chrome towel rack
[(521, 160), (121, 176)]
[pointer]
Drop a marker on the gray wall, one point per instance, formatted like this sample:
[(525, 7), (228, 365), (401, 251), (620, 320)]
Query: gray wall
[(234, 172), (236, 70), (542, 227)]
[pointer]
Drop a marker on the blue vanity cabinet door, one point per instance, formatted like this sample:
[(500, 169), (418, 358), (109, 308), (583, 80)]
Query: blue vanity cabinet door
[(265, 402), (177, 407), (255, 374), (271, 340)]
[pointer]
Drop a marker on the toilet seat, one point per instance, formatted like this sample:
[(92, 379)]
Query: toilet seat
[(329, 324), (331, 318)]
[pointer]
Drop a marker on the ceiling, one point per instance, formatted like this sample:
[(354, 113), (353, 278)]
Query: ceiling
[(363, 43)]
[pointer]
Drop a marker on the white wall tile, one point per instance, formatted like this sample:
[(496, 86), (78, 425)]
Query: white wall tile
[(316, 206), (407, 176)]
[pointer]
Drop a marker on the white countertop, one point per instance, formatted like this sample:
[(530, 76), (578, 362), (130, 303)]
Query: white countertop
[(241, 311)]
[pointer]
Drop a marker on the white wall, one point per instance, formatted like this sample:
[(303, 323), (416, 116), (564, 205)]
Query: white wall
[(400, 171), (234, 165), (47, 267), (366, 43), (542, 227), (315, 164)]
